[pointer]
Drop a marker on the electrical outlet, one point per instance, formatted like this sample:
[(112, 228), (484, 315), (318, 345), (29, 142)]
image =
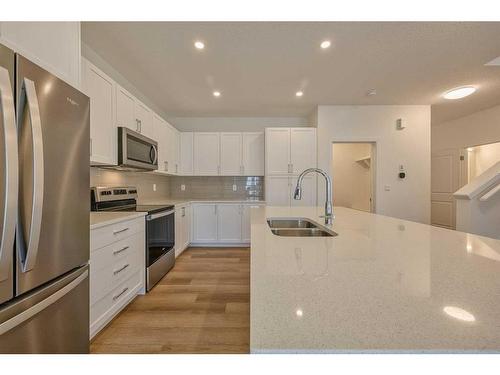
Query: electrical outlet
[(235, 188), (154, 187), (183, 187), (387, 187)]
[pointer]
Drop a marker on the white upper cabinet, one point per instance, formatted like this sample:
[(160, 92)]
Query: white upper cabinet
[(143, 119), (253, 154), (231, 154), (55, 46), (302, 149), (103, 135), (280, 190), (206, 154), (161, 136), (277, 151), (125, 109), (186, 153), (289, 151)]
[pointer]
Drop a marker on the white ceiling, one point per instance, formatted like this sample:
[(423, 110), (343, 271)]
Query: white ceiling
[(258, 67)]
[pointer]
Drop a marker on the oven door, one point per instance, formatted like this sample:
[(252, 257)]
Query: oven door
[(136, 151), (160, 243)]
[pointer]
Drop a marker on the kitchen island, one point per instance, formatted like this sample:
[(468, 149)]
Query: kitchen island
[(382, 285)]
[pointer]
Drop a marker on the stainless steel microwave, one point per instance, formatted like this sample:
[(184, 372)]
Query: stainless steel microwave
[(135, 151)]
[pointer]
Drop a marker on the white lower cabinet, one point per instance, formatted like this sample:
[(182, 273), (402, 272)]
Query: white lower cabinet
[(182, 228), (117, 266), (204, 222), (221, 223), (229, 222)]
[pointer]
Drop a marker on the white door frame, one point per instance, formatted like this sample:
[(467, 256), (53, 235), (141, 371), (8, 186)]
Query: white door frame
[(375, 156)]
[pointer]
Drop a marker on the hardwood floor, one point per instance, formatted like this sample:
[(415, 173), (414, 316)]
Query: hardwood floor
[(201, 306)]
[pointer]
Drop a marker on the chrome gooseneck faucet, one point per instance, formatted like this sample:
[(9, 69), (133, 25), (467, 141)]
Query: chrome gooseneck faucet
[(328, 204)]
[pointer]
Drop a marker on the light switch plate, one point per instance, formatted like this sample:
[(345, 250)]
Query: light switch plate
[(183, 187), (235, 188)]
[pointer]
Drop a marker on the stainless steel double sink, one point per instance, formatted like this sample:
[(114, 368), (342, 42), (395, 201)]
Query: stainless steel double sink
[(298, 227)]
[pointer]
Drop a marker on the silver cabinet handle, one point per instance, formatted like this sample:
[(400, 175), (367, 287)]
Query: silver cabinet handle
[(137, 129), (218, 169), (183, 211), (176, 168), (90, 146), (115, 232), (140, 126), (120, 294), (291, 168), (121, 269), (166, 166), (29, 98), (8, 123), (288, 170), (116, 252)]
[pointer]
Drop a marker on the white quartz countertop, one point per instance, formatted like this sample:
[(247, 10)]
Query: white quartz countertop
[(101, 219), (382, 285), (181, 201)]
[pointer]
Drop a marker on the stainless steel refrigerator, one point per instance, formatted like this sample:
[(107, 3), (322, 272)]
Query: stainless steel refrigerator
[(44, 213)]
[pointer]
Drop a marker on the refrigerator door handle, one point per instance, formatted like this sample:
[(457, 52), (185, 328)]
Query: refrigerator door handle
[(29, 98), (42, 305), (11, 173)]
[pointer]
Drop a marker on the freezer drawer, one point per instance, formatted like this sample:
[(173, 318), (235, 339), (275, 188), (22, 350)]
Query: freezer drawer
[(51, 319)]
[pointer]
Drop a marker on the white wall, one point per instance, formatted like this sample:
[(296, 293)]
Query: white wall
[(351, 178), (235, 124), (409, 198), (483, 157), (477, 129)]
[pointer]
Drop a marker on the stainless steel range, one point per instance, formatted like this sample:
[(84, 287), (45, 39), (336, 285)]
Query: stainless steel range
[(160, 227)]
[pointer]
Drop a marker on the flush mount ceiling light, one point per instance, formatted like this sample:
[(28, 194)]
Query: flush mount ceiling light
[(458, 313), (216, 94), (325, 44), (299, 94), (459, 92), (199, 44)]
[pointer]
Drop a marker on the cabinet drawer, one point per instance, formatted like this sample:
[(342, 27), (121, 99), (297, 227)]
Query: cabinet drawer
[(102, 311), (106, 279), (101, 237), (108, 255)]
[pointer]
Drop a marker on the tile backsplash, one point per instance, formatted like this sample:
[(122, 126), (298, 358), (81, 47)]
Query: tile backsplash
[(216, 187), (143, 181)]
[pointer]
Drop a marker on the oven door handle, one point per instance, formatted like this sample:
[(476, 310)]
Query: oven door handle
[(160, 214)]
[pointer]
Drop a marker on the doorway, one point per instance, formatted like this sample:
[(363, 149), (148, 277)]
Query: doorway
[(353, 175)]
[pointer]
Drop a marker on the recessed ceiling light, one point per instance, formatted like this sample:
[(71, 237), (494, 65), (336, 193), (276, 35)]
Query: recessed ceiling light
[(199, 44), (459, 92), (458, 313), (325, 44), (299, 94), (216, 94)]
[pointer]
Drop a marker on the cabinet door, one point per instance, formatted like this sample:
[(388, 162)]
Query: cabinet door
[(253, 154), (302, 149), (125, 109), (230, 154), (179, 242), (245, 222), (143, 117), (277, 151), (229, 222), (278, 191), (308, 191), (186, 153), (186, 226), (161, 136), (204, 222), (103, 135), (206, 154)]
